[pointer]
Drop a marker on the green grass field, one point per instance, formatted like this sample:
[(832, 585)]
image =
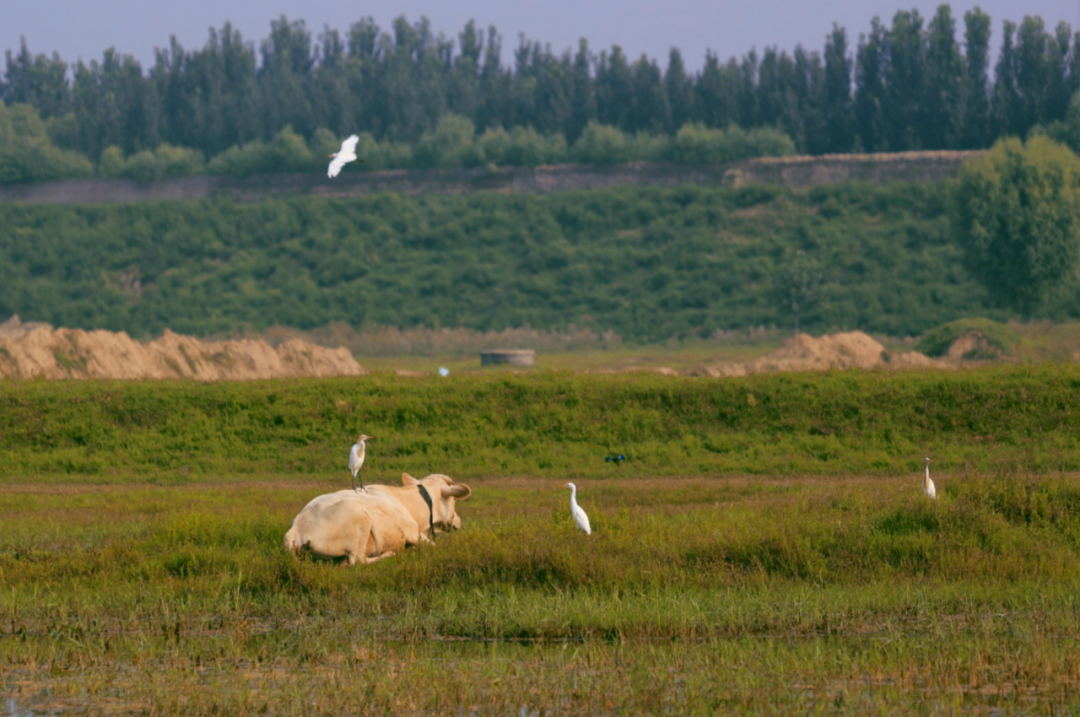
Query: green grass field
[(544, 424), (142, 585)]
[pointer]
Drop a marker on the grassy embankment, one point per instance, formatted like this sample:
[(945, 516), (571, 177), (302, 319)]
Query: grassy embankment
[(543, 424), (646, 263), (814, 587)]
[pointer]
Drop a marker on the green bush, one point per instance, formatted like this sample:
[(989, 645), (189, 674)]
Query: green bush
[(451, 144), (698, 143), (287, 152), (1017, 220), (151, 165), (1066, 131), (936, 342), (601, 144), (28, 155), (523, 147), (323, 144)]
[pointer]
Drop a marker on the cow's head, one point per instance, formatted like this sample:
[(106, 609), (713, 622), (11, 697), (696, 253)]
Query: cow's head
[(444, 494)]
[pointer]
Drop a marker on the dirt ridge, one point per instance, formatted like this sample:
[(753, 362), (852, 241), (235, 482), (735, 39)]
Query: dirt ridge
[(803, 352), (35, 349)]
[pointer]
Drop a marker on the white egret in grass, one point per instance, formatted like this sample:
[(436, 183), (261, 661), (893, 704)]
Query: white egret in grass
[(356, 459), (927, 484), (580, 519), (343, 156)]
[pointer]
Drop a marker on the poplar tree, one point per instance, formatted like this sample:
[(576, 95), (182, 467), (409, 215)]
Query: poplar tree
[(976, 124), (836, 99), (944, 83), (870, 65)]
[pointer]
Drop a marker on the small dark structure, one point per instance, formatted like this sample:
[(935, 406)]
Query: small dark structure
[(514, 357)]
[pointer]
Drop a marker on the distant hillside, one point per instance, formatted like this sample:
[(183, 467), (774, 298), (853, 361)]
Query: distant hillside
[(648, 263)]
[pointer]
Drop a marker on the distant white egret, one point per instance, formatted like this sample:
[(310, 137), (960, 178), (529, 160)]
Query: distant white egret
[(580, 519), (343, 156), (356, 459), (927, 484)]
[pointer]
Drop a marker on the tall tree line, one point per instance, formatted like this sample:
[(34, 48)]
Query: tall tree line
[(914, 84)]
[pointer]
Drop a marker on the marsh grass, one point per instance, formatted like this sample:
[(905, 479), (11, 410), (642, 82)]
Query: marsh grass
[(694, 595), (751, 556), (544, 424)]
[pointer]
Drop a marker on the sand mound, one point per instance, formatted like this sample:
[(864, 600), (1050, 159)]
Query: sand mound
[(803, 352), (29, 350)]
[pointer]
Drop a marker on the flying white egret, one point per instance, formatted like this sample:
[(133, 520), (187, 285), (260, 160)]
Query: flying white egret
[(356, 459), (343, 156), (927, 484), (580, 519)]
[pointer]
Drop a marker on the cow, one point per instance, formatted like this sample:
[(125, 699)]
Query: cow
[(376, 524)]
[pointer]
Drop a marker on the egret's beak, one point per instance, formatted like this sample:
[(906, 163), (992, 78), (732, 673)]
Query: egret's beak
[(332, 155), (565, 485)]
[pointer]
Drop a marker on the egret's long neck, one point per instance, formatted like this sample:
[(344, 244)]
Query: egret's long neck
[(573, 496), (927, 481)]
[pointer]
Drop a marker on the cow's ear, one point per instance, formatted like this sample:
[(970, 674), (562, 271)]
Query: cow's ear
[(407, 479), (459, 491)]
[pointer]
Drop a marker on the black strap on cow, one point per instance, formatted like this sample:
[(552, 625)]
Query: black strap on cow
[(431, 511)]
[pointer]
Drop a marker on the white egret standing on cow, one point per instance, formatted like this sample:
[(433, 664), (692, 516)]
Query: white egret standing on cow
[(356, 459), (580, 519), (343, 156), (927, 484)]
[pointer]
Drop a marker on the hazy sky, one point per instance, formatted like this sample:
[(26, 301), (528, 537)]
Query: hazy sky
[(81, 29)]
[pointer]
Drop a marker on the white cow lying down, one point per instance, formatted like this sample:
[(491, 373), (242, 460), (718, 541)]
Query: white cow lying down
[(366, 526)]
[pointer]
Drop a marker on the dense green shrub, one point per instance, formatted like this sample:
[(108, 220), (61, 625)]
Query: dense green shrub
[(378, 155), (522, 147), (287, 152), (600, 144), (603, 144), (698, 143), (1066, 131), (937, 341), (1017, 219), (27, 154), (151, 165), (451, 144)]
